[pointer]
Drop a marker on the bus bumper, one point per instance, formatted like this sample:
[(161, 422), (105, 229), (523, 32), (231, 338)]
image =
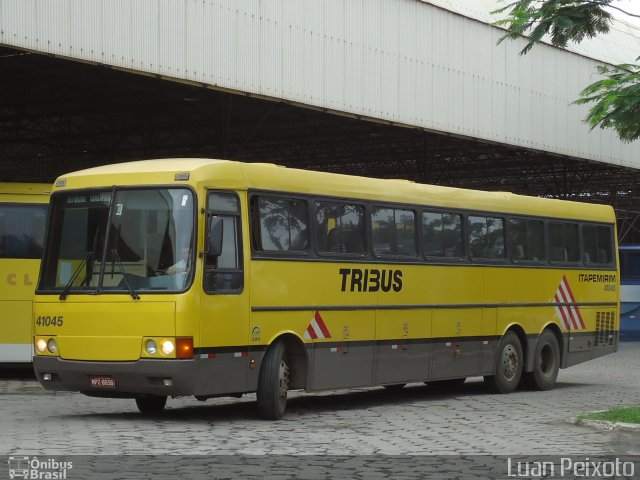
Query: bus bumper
[(118, 379)]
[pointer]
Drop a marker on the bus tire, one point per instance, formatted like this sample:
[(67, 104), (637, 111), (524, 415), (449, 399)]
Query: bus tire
[(508, 368), (151, 404), (273, 383), (546, 362)]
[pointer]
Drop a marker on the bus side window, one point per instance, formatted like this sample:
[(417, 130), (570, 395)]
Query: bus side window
[(339, 228), (486, 237), (596, 244), (527, 240), (393, 232), (22, 230), (631, 267), (563, 242), (224, 274), (280, 225), (442, 235)]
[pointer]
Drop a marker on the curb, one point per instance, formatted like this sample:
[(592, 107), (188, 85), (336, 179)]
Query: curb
[(605, 425)]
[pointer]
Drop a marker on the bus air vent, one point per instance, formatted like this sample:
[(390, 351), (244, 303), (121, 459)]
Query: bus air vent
[(605, 333)]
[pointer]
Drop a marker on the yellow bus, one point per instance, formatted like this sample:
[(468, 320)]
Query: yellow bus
[(23, 212), (200, 277)]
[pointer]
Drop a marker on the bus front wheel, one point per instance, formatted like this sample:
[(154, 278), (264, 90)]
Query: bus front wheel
[(508, 368), (273, 383), (546, 363), (151, 404)]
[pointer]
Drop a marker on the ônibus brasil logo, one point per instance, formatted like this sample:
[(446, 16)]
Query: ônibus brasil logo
[(38, 469)]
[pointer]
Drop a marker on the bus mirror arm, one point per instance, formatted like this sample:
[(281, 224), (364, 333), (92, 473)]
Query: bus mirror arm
[(214, 236)]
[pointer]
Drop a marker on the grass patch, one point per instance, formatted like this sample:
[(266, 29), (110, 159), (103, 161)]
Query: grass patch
[(620, 414)]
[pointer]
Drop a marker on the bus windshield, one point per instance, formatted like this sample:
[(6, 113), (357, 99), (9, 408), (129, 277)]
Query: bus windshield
[(117, 240)]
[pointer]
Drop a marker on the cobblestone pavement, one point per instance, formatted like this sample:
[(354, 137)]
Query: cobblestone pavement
[(418, 420)]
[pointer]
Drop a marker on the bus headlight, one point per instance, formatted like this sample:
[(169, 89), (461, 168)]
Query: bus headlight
[(168, 347), (41, 345), (151, 347), (52, 346)]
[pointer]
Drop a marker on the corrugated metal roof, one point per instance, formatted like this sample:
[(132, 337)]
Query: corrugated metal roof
[(400, 61)]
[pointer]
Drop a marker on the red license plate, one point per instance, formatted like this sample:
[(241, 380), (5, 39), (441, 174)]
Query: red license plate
[(102, 381)]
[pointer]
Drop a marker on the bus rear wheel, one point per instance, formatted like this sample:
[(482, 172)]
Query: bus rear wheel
[(273, 383), (546, 363), (508, 367), (151, 404)]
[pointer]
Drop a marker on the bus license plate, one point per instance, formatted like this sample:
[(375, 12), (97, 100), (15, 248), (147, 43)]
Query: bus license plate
[(103, 381)]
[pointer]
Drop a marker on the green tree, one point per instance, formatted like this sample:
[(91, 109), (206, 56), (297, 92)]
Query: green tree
[(614, 99)]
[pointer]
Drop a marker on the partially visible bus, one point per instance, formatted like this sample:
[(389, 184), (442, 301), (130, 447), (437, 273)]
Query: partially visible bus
[(23, 213), (207, 277), (630, 293)]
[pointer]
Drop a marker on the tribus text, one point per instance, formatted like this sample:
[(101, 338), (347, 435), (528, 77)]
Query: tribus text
[(370, 280)]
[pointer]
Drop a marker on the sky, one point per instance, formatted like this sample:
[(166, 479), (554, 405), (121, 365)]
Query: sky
[(631, 6)]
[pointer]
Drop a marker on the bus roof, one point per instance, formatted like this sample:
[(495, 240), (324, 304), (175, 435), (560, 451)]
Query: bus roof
[(25, 188), (264, 176)]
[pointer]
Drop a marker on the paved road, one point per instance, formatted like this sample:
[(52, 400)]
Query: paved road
[(419, 420)]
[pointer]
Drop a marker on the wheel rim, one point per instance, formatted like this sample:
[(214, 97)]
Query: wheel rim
[(510, 363), (283, 380)]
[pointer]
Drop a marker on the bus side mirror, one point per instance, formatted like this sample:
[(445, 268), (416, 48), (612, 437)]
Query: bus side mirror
[(214, 236)]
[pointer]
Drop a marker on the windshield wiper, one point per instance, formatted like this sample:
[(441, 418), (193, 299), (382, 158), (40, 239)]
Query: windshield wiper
[(116, 258), (76, 272), (89, 256)]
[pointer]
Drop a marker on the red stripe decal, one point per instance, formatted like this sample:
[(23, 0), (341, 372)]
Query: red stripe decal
[(322, 326), (574, 323), (567, 324), (311, 332), (573, 300)]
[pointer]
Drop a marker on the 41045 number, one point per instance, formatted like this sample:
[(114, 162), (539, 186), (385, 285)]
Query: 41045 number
[(47, 321)]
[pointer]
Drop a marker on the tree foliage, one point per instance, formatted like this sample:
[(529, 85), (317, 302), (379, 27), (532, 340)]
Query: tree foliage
[(615, 99)]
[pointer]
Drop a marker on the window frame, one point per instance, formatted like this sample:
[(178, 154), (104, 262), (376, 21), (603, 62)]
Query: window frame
[(368, 256), (255, 230), (240, 245), (45, 207), (375, 206), (366, 228), (486, 215), (463, 243), (612, 252), (189, 283), (625, 259), (578, 224), (545, 241)]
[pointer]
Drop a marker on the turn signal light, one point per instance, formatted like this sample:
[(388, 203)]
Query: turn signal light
[(184, 347)]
